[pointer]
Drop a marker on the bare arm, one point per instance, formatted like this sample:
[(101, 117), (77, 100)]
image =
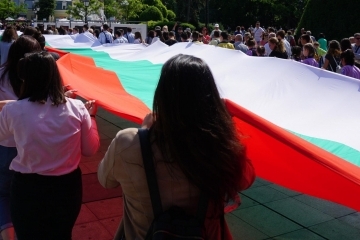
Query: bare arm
[(326, 64)]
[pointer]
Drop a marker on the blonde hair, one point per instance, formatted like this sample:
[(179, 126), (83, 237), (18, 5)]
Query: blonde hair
[(165, 27), (279, 45)]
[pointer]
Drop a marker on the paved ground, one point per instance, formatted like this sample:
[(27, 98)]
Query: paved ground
[(268, 211)]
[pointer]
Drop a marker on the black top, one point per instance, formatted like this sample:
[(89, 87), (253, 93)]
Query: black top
[(278, 54), (170, 42), (332, 64)]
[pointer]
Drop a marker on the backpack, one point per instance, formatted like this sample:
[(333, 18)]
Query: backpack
[(172, 224)]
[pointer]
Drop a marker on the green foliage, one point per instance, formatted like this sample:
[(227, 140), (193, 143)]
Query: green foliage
[(158, 4), (47, 8), (77, 10), (165, 20), (117, 9), (112, 8), (171, 15), (152, 24), (284, 13), (162, 9), (328, 20), (151, 13), (10, 9), (170, 4)]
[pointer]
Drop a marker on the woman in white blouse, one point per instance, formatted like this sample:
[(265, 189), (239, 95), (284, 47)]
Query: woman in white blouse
[(51, 133)]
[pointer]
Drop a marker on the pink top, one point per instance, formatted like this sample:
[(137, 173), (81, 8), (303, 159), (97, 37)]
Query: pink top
[(50, 140), (351, 71), (7, 93)]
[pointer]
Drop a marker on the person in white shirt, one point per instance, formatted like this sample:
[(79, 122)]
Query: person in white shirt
[(257, 32), (51, 133), (281, 36), (87, 32), (119, 37), (356, 46), (129, 35), (9, 84), (266, 46), (216, 28), (105, 36), (8, 37)]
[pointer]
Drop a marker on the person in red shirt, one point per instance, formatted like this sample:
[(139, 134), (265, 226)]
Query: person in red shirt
[(206, 38)]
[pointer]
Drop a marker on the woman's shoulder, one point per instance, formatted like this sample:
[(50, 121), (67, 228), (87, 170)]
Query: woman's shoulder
[(127, 138)]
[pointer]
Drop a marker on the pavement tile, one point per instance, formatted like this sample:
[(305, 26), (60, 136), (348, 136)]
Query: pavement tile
[(352, 219), (103, 136), (284, 190), (108, 208), (299, 212), (104, 145), (330, 208), (247, 202), (96, 157), (92, 166), (264, 194), (241, 230), (109, 130), (84, 169), (266, 220), (336, 230), (299, 235), (85, 215), (260, 182), (111, 224), (90, 231)]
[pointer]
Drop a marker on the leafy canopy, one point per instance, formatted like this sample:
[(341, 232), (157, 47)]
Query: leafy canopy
[(77, 10), (10, 9)]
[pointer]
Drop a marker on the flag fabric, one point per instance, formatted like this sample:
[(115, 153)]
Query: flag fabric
[(300, 124)]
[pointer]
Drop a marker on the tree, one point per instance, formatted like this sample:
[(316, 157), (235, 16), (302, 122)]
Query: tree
[(77, 10), (10, 9), (47, 8), (171, 15), (118, 8), (151, 13), (329, 20)]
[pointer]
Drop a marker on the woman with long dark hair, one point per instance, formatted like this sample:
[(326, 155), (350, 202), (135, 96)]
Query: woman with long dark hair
[(278, 49), (8, 37), (138, 38), (332, 58), (195, 148), (10, 85), (51, 133)]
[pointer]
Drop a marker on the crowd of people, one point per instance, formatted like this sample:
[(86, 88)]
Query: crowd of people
[(342, 57), (44, 131)]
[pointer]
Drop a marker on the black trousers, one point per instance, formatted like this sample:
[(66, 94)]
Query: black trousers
[(45, 207)]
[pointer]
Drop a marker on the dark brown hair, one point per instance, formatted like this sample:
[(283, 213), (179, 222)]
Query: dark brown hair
[(41, 78), (334, 48), (137, 35), (193, 129), (24, 44), (348, 56), (9, 35), (310, 48)]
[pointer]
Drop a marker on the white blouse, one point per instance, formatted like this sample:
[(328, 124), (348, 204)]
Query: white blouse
[(49, 139)]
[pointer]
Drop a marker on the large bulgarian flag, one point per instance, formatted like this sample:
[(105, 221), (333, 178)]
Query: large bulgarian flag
[(301, 125)]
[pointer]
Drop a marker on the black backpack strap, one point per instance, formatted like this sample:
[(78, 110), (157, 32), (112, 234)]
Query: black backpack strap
[(150, 171)]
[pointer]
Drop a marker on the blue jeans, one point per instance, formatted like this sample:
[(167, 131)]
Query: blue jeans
[(7, 154)]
